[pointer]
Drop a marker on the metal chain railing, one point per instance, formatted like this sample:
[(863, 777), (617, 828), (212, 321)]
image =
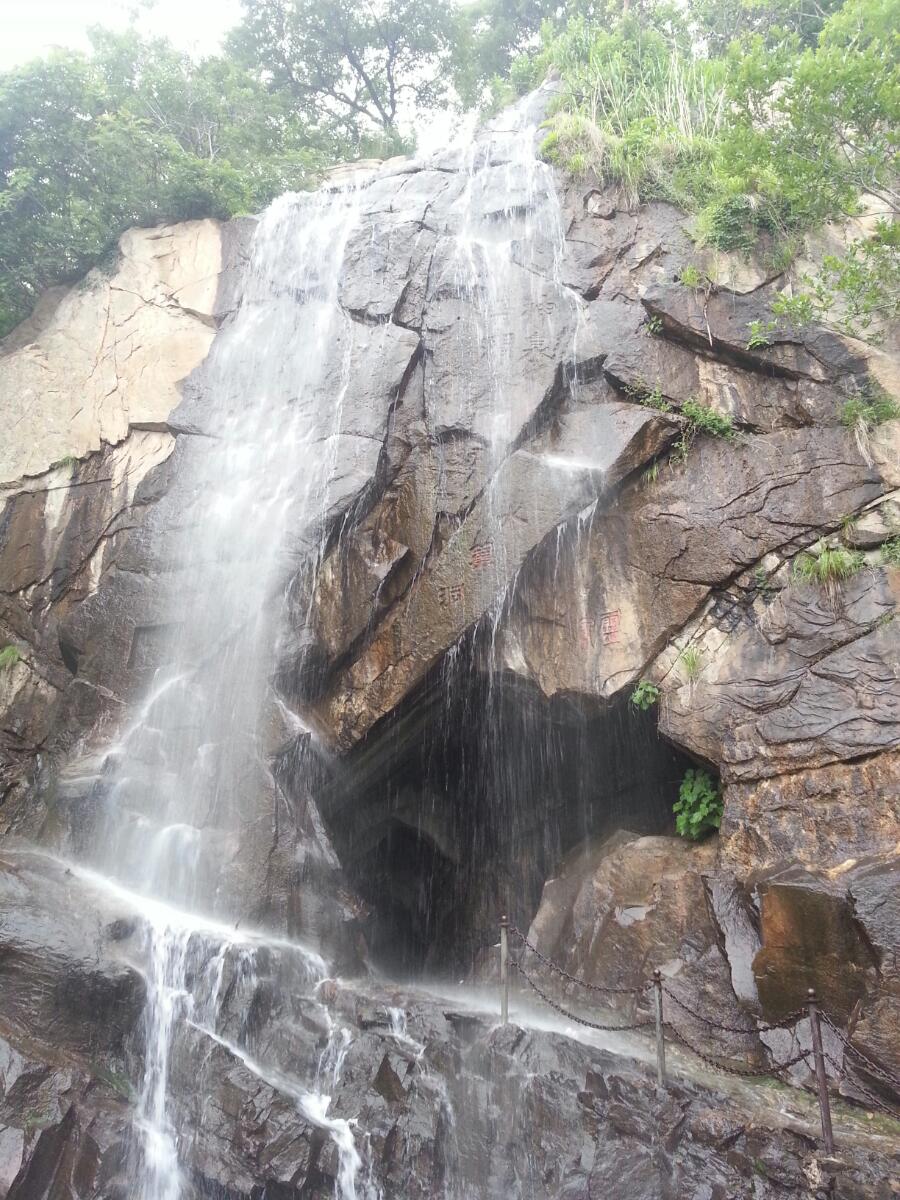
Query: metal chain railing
[(815, 1058), (872, 1099), (517, 966), (792, 1018), (564, 974), (718, 1065), (869, 1064)]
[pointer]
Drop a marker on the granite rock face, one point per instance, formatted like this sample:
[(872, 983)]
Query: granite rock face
[(517, 517), (449, 1102)]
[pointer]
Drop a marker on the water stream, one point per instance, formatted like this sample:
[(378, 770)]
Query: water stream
[(182, 782)]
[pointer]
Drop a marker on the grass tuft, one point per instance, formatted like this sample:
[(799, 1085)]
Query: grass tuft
[(691, 662), (9, 656), (828, 566)]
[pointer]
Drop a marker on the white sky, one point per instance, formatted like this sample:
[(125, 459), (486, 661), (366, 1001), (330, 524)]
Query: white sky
[(28, 28)]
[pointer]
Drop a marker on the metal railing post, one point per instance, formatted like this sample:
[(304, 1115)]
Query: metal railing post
[(660, 1033), (504, 969), (821, 1077)]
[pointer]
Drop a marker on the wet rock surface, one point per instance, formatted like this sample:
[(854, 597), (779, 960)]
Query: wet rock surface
[(505, 521), (445, 1102)]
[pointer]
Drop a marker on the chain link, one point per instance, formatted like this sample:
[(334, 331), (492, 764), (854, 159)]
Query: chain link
[(870, 1065), (785, 1022), (552, 966), (856, 1085), (571, 1016), (749, 1072)]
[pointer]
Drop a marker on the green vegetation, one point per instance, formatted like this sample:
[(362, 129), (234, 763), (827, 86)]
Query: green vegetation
[(755, 116), (691, 277), (348, 65), (655, 326), (869, 408), (763, 583), (9, 656), (762, 130), (645, 695), (698, 809), (137, 133), (856, 291), (761, 333), (758, 117), (827, 565), (890, 552), (700, 419), (848, 523), (649, 397), (134, 134), (690, 660), (651, 475), (707, 420)]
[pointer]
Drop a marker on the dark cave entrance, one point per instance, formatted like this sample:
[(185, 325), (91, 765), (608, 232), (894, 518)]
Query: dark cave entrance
[(461, 804)]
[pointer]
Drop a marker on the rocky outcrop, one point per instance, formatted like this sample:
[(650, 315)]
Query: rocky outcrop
[(443, 1100), (516, 522), (92, 378), (99, 360), (629, 906)]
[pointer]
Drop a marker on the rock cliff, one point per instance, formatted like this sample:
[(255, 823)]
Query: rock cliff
[(517, 528)]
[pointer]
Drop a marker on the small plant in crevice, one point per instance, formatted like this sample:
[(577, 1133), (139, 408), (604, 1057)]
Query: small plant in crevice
[(649, 397), (870, 407), (827, 565), (707, 420), (654, 325), (698, 809), (690, 660), (763, 584), (700, 419), (645, 695), (760, 334), (9, 656), (890, 551), (848, 523), (651, 475), (690, 277), (655, 399), (68, 461)]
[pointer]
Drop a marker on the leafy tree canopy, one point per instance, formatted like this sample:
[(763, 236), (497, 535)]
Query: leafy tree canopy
[(134, 134), (756, 116), (363, 65), (780, 128)]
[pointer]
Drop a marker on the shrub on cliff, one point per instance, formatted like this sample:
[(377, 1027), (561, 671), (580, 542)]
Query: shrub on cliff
[(770, 122), (698, 809)]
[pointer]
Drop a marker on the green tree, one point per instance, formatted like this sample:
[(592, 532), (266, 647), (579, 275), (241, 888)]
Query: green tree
[(135, 134), (492, 34), (364, 66)]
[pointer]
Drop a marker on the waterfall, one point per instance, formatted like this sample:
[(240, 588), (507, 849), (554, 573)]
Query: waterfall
[(181, 782), (179, 837)]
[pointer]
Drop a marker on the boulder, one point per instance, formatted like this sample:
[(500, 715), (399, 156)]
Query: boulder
[(808, 680), (620, 911), (65, 985)]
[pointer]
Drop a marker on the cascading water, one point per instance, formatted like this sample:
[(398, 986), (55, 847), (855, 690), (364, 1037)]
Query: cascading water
[(180, 785), (179, 794)]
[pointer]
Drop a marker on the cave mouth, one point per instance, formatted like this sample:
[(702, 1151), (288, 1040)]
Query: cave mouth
[(461, 804)]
